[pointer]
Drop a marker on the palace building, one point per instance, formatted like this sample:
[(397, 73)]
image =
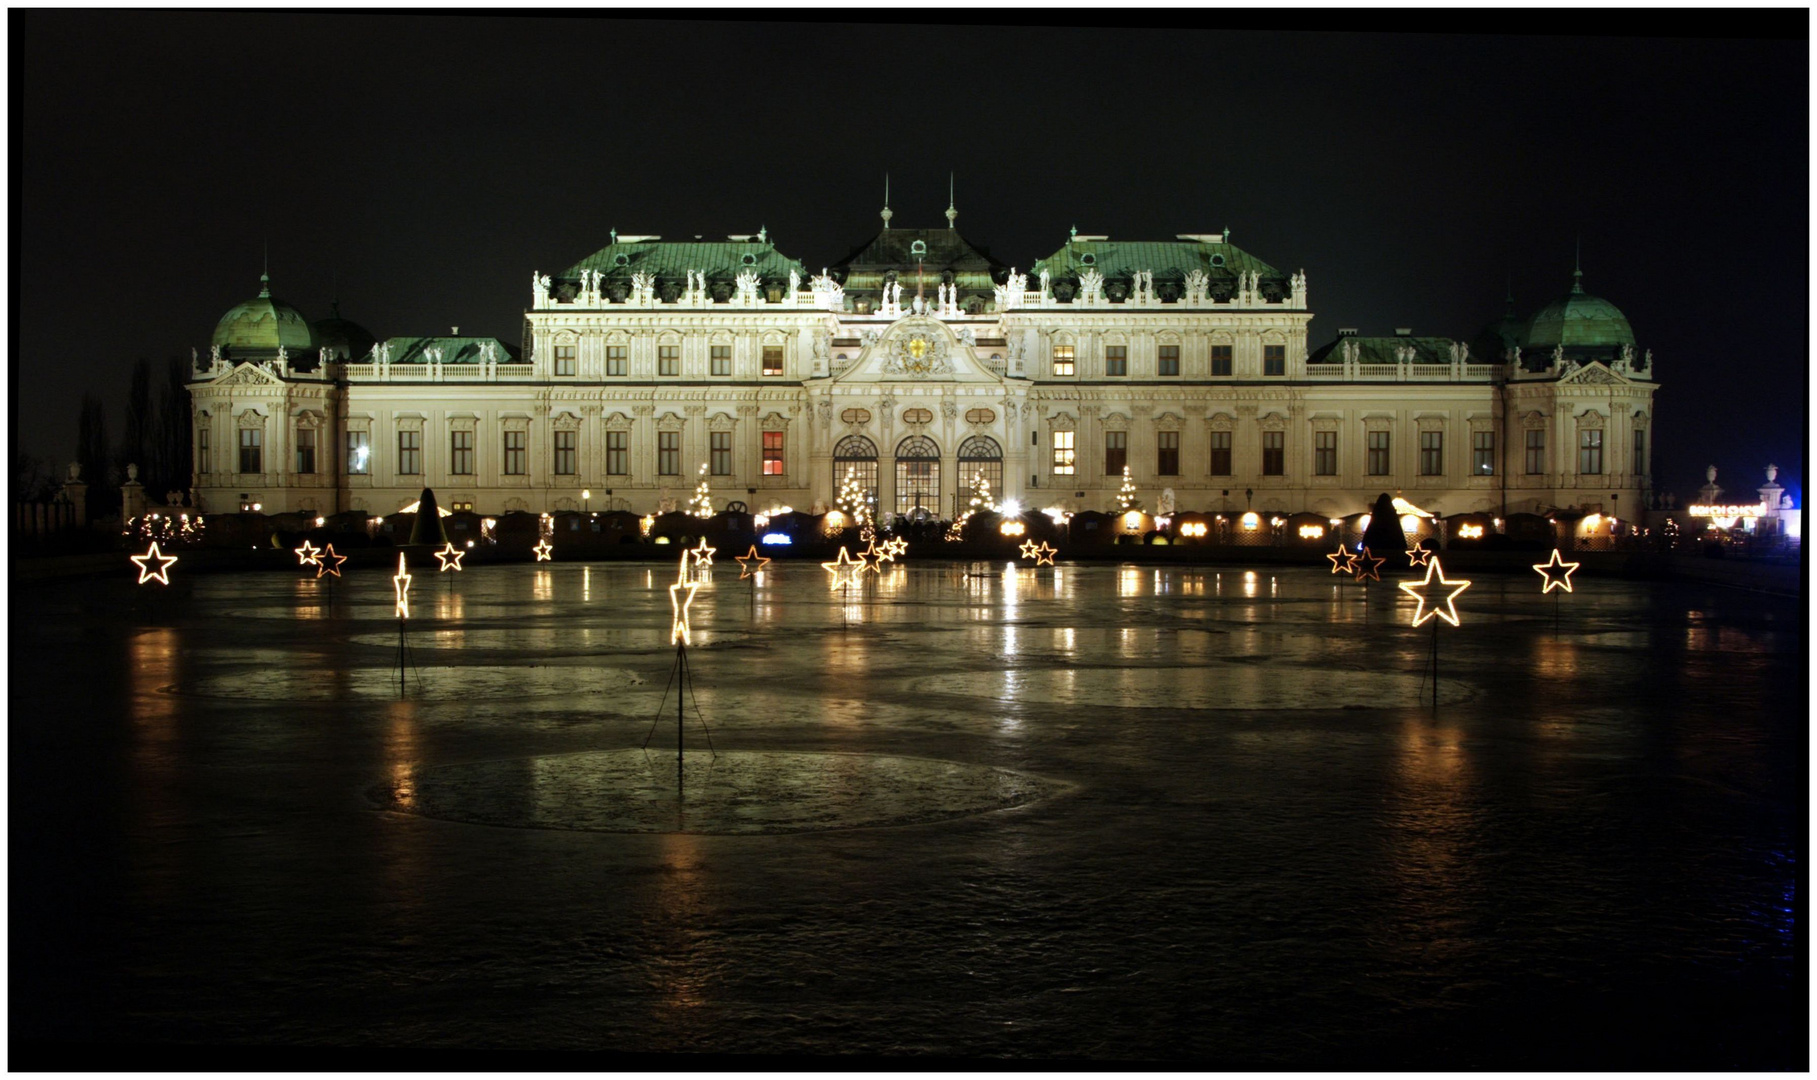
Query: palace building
[(917, 362)]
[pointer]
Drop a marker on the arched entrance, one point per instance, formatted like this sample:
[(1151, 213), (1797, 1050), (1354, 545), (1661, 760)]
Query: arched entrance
[(918, 477), (856, 456), (980, 455)]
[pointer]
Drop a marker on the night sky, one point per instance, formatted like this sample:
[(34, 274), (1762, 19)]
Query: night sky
[(426, 165)]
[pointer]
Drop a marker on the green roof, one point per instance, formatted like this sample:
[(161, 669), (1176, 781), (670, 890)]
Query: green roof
[(1168, 260), (1579, 320), (455, 350), (618, 261), (262, 324)]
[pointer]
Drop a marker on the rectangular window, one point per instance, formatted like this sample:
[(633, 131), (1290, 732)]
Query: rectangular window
[(1482, 453), (1220, 453), (460, 453), (1063, 452), (1378, 453), (1063, 359), (305, 451), (616, 365), (1324, 453), (409, 453), (668, 360), (1167, 453), (722, 360), (1274, 359), (772, 453), (359, 453), (668, 453), (1220, 359), (565, 445), (1116, 360), (514, 452), (564, 359), (463, 504), (618, 453), (1168, 363), (1274, 453), (1640, 451), (1116, 452), (204, 460), (721, 453), (772, 360), (250, 457), (1432, 453), (1589, 453), (1536, 452)]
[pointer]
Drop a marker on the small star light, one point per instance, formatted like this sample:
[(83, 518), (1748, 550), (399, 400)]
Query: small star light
[(309, 555), (451, 559), (147, 572), (543, 550), (1340, 560), (1418, 592), (844, 569), (1417, 555), (1366, 565), (402, 581), (745, 563), (1028, 549), (1552, 573), (329, 563), (703, 555), (895, 546), (1043, 555), (871, 558), (678, 629)]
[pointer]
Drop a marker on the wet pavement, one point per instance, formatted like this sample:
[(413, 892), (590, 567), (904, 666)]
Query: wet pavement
[(971, 811)]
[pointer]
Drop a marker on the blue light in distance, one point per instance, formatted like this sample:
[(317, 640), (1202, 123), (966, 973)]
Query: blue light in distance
[(777, 538)]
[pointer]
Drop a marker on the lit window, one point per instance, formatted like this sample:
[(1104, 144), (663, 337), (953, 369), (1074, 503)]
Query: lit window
[(1432, 453), (250, 455), (1168, 362), (618, 453), (305, 451), (668, 360), (1063, 359), (409, 453), (462, 505), (1116, 360), (1063, 452), (721, 455), (722, 359), (1167, 453), (460, 447), (1220, 360), (1378, 453), (1482, 453), (615, 360), (514, 453), (564, 359), (1324, 453), (1116, 452), (359, 453), (1220, 453), (565, 452), (1589, 453), (1274, 359), (772, 453), (668, 453), (772, 360), (1274, 453)]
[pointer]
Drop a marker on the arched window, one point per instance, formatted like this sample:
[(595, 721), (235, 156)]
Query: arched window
[(857, 456), (980, 454), (918, 477)]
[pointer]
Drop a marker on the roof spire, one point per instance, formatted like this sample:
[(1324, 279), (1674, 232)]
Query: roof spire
[(886, 202), (1577, 271), (265, 274), (763, 234), (952, 211)]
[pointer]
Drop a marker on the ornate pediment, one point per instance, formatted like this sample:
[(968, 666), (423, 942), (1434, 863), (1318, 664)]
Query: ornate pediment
[(1594, 374), (248, 374), (917, 348)]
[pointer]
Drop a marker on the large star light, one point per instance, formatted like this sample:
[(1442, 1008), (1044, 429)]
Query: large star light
[(1366, 565), (678, 604), (1421, 592), (329, 563), (1341, 560), (543, 551), (871, 558), (309, 555), (703, 555), (1557, 573), (149, 573), (450, 558), (402, 581), (844, 569), (751, 564)]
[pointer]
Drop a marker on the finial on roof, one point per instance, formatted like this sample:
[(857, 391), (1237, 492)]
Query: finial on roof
[(1070, 235), (952, 209), (1577, 270), (615, 234), (886, 201), (763, 234)]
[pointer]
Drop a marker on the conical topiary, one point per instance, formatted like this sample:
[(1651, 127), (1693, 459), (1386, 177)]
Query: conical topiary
[(1384, 537), (428, 526)]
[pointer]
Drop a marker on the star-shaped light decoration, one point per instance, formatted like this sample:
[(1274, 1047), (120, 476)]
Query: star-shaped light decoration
[(703, 555), (895, 545), (451, 559), (871, 558), (1041, 553), (1366, 565), (402, 581), (149, 573), (1417, 555), (752, 564), (1419, 592), (845, 569), (1028, 549), (678, 604), (543, 550), (1557, 573), (329, 563), (309, 555), (1340, 560)]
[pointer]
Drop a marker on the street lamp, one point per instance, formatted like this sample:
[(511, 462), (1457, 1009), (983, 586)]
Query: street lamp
[(586, 499)]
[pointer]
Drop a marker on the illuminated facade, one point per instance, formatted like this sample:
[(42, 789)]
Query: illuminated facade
[(915, 364)]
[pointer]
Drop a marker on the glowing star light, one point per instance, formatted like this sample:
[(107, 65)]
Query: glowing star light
[(450, 558), (844, 569), (1041, 553), (402, 581), (1340, 560), (895, 545), (1366, 565), (678, 629), (543, 550), (1557, 573), (147, 572), (750, 564), (309, 555), (871, 558), (1417, 555), (329, 563), (1419, 592), (703, 555)]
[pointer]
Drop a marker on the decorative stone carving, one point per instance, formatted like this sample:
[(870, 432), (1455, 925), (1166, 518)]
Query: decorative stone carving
[(669, 422), (567, 421), (1091, 285), (539, 290), (643, 287), (949, 409), (747, 282), (829, 295), (968, 336), (918, 350), (824, 410), (1350, 351), (1460, 352)]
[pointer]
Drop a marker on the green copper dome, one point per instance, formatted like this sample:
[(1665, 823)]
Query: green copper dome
[(262, 324), (1579, 321)]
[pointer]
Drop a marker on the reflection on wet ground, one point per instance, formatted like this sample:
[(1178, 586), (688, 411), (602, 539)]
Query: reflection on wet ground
[(976, 810)]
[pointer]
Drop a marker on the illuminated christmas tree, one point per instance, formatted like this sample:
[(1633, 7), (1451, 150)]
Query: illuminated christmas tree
[(1126, 496), (980, 502), (854, 503), (701, 505)]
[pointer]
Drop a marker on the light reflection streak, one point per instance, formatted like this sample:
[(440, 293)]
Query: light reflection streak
[(542, 585), (1129, 581)]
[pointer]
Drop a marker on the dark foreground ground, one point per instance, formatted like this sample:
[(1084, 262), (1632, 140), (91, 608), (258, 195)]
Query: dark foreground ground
[(1193, 816)]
